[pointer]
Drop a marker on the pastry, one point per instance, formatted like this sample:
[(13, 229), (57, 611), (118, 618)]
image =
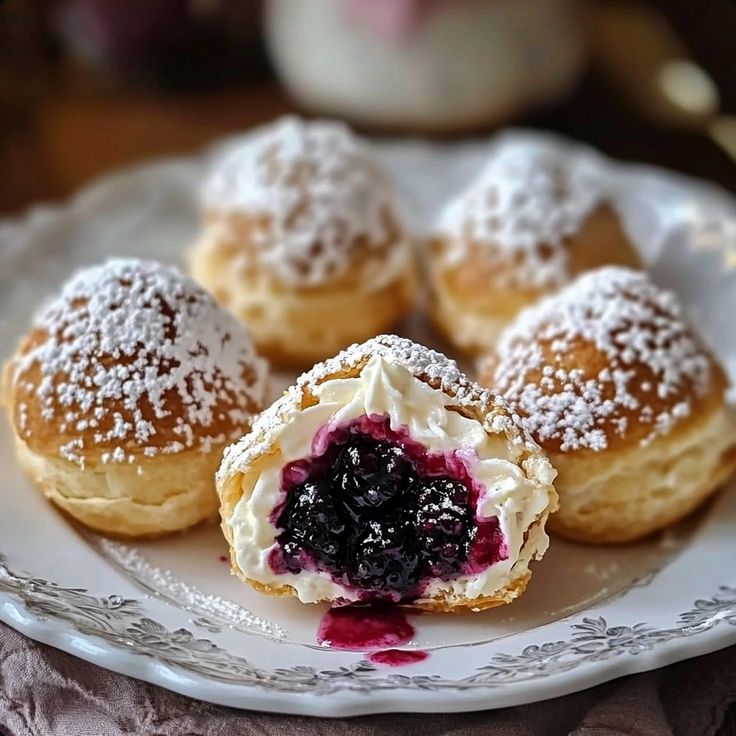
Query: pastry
[(302, 241), (385, 474), (624, 399), (124, 393), (533, 219)]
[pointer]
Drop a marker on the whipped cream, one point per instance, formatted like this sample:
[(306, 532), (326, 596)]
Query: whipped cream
[(516, 495)]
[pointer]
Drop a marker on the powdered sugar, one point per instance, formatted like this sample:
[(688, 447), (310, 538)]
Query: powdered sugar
[(524, 205), (417, 359), (316, 195), (429, 365), (133, 358), (639, 330)]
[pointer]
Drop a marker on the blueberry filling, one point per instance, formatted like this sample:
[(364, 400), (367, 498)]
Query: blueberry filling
[(312, 524), (445, 526), (381, 515), (384, 555), (371, 476)]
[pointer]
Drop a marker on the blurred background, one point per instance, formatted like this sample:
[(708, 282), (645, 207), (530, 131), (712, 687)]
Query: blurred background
[(90, 85)]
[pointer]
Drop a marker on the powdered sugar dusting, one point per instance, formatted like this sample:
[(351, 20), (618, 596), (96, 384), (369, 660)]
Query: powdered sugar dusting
[(133, 358), (652, 367), (521, 209), (317, 198), (431, 366)]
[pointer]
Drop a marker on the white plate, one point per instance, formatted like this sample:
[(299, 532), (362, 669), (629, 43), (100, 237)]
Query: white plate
[(168, 612)]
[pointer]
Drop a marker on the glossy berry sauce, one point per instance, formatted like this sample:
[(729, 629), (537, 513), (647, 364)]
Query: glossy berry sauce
[(364, 627), (369, 628), (380, 514)]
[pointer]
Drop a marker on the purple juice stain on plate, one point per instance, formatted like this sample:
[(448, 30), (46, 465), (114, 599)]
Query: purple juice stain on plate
[(378, 627), (363, 628), (397, 657)]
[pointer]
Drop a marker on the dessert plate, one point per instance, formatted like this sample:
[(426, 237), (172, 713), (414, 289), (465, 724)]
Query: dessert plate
[(167, 611)]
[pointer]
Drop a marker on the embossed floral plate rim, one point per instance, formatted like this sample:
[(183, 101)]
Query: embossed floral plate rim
[(80, 605), (123, 634)]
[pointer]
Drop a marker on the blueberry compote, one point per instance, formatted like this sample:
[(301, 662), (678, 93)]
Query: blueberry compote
[(381, 514)]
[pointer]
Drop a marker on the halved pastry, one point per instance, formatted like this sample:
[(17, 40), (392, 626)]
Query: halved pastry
[(124, 394), (302, 241), (628, 404), (385, 474), (534, 218)]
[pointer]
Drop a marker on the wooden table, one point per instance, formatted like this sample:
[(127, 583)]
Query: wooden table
[(75, 135)]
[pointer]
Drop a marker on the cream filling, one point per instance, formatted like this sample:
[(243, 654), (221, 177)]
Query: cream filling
[(516, 497)]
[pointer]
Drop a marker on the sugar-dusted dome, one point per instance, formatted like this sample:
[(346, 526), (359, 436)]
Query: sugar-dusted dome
[(520, 212), (626, 401), (609, 360), (311, 200), (132, 360), (537, 216)]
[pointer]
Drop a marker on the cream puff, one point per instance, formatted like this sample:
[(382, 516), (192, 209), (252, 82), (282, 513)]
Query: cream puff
[(124, 393), (385, 474), (303, 242), (624, 399), (533, 219)]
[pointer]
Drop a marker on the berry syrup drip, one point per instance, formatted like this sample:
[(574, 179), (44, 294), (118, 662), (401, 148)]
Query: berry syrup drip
[(381, 514), (371, 627), (364, 627)]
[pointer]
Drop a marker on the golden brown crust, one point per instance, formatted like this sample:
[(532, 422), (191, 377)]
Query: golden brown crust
[(124, 394), (45, 433), (230, 236), (130, 360), (625, 400), (601, 241), (338, 321), (126, 533), (614, 530), (296, 326), (585, 357), (154, 497), (490, 284), (607, 363), (630, 493), (436, 605), (507, 594)]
